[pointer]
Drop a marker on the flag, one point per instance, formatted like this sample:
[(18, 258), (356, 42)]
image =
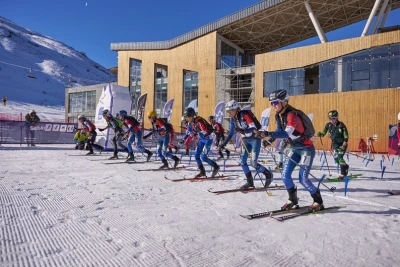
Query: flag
[(168, 109), (193, 105), (265, 119), (219, 112), (141, 103)]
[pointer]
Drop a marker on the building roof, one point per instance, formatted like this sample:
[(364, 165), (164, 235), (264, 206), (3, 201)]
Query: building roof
[(271, 24)]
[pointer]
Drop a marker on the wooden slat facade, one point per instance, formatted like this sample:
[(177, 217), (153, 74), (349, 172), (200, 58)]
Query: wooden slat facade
[(364, 112), (197, 55)]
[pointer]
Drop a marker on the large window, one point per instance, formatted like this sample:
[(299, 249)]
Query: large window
[(374, 68), (290, 80), (82, 102), (160, 88), (228, 56), (190, 89), (135, 83)]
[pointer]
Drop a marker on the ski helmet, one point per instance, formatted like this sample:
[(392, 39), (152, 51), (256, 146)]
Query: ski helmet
[(190, 112), (333, 114), (106, 112), (232, 105), (123, 113), (211, 118), (152, 113), (280, 95), (82, 116)]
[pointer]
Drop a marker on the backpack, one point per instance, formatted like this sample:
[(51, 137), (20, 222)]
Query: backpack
[(255, 120), (209, 127), (168, 126), (309, 130), (133, 120)]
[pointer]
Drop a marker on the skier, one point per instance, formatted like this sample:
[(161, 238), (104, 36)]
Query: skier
[(134, 132), (297, 129), (244, 123), (31, 120), (340, 136), (90, 128), (80, 138), (219, 137), (204, 131), (163, 128), (191, 135), (171, 145), (398, 130), (4, 99), (116, 125)]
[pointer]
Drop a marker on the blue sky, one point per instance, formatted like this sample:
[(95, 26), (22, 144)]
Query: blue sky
[(94, 27)]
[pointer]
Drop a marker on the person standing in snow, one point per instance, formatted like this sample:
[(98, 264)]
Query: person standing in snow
[(163, 128), (116, 125), (294, 126), (133, 134), (4, 99), (31, 120), (90, 128), (219, 136), (243, 123), (204, 131), (340, 136), (398, 130)]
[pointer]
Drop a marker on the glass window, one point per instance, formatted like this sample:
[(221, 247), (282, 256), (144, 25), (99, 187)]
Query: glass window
[(160, 88), (228, 56), (135, 84), (290, 80), (82, 102), (394, 65), (327, 77), (379, 72), (190, 89), (269, 83)]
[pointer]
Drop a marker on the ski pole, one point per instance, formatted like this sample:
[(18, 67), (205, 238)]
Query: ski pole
[(364, 158), (332, 189), (322, 144), (253, 163)]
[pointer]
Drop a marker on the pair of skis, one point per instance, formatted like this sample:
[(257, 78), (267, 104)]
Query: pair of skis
[(203, 178), (282, 215), (247, 190)]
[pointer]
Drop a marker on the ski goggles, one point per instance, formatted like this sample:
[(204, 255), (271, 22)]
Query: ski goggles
[(275, 102), (332, 118)]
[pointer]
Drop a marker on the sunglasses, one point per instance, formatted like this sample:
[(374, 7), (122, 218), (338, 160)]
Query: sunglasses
[(332, 118), (275, 102)]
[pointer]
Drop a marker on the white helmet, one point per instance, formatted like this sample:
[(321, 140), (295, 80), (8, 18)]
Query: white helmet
[(231, 105), (81, 117)]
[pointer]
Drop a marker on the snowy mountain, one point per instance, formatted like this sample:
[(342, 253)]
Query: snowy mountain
[(50, 65)]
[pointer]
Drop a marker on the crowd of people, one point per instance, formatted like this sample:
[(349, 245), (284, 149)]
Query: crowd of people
[(293, 134)]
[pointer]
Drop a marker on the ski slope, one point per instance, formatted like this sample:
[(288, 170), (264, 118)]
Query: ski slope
[(61, 210)]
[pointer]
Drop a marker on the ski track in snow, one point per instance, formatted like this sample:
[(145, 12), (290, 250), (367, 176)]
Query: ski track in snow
[(60, 210)]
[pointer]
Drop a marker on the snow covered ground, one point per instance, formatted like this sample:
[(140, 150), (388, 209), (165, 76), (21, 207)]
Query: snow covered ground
[(60, 210), (14, 109)]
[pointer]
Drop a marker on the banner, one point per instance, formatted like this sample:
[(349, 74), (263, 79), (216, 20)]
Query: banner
[(141, 104), (193, 105), (19, 132), (168, 109), (393, 139), (265, 119), (219, 112)]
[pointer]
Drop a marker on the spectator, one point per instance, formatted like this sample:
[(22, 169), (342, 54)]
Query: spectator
[(4, 99), (80, 139), (31, 120)]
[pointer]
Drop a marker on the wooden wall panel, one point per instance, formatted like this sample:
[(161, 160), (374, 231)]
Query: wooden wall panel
[(198, 55), (364, 112)]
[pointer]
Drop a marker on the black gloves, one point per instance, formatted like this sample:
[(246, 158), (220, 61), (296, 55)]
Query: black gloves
[(100, 129), (239, 130)]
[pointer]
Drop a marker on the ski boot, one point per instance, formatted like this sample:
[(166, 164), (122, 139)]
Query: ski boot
[(170, 150), (202, 172), (165, 165), (279, 166), (90, 153), (228, 154), (176, 161), (268, 177), (215, 169), (318, 202), (114, 157), (293, 200), (131, 157), (343, 171), (187, 152), (149, 155), (176, 150), (249, 183)]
